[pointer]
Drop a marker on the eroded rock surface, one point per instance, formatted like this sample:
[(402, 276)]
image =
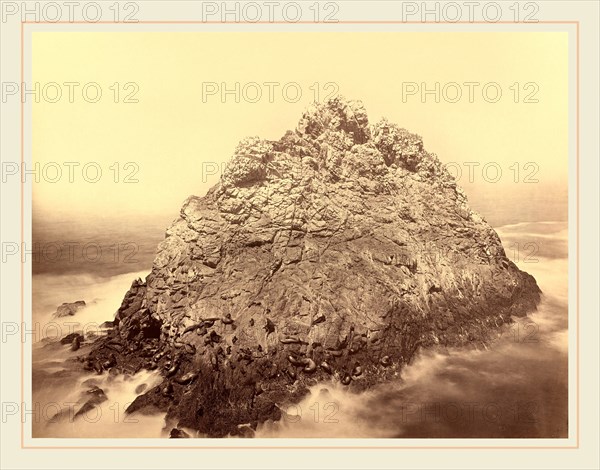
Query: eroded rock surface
[(335, 252)]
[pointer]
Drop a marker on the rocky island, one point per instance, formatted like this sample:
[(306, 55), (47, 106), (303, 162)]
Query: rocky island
[(334, 253)]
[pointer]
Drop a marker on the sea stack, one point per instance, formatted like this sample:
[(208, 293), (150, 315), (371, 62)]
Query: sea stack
[(334, 253)]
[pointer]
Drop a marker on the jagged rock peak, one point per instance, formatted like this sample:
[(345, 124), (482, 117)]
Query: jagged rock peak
[(336, 115), (337, 143)]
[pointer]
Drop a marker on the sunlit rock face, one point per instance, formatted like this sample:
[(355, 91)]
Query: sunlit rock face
[(333, 253)]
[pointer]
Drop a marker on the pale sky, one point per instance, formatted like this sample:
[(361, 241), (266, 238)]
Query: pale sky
[(170, 133)]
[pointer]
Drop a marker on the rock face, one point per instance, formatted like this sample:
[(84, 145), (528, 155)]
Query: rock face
[(333, 253), (69, 309)]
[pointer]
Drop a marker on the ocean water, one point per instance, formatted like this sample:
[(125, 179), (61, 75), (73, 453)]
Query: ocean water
[(515, 387)]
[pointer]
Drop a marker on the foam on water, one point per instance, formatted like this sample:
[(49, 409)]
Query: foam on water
[(58, 383)]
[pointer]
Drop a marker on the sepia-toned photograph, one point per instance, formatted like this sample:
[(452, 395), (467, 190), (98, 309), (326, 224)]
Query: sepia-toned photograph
[(301, 235)]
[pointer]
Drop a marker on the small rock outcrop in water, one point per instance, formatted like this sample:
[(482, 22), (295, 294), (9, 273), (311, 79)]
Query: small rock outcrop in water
[(69, 309), (72, 338), (333, 253)]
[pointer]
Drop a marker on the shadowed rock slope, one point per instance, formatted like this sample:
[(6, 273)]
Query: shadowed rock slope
[(333, 253)]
